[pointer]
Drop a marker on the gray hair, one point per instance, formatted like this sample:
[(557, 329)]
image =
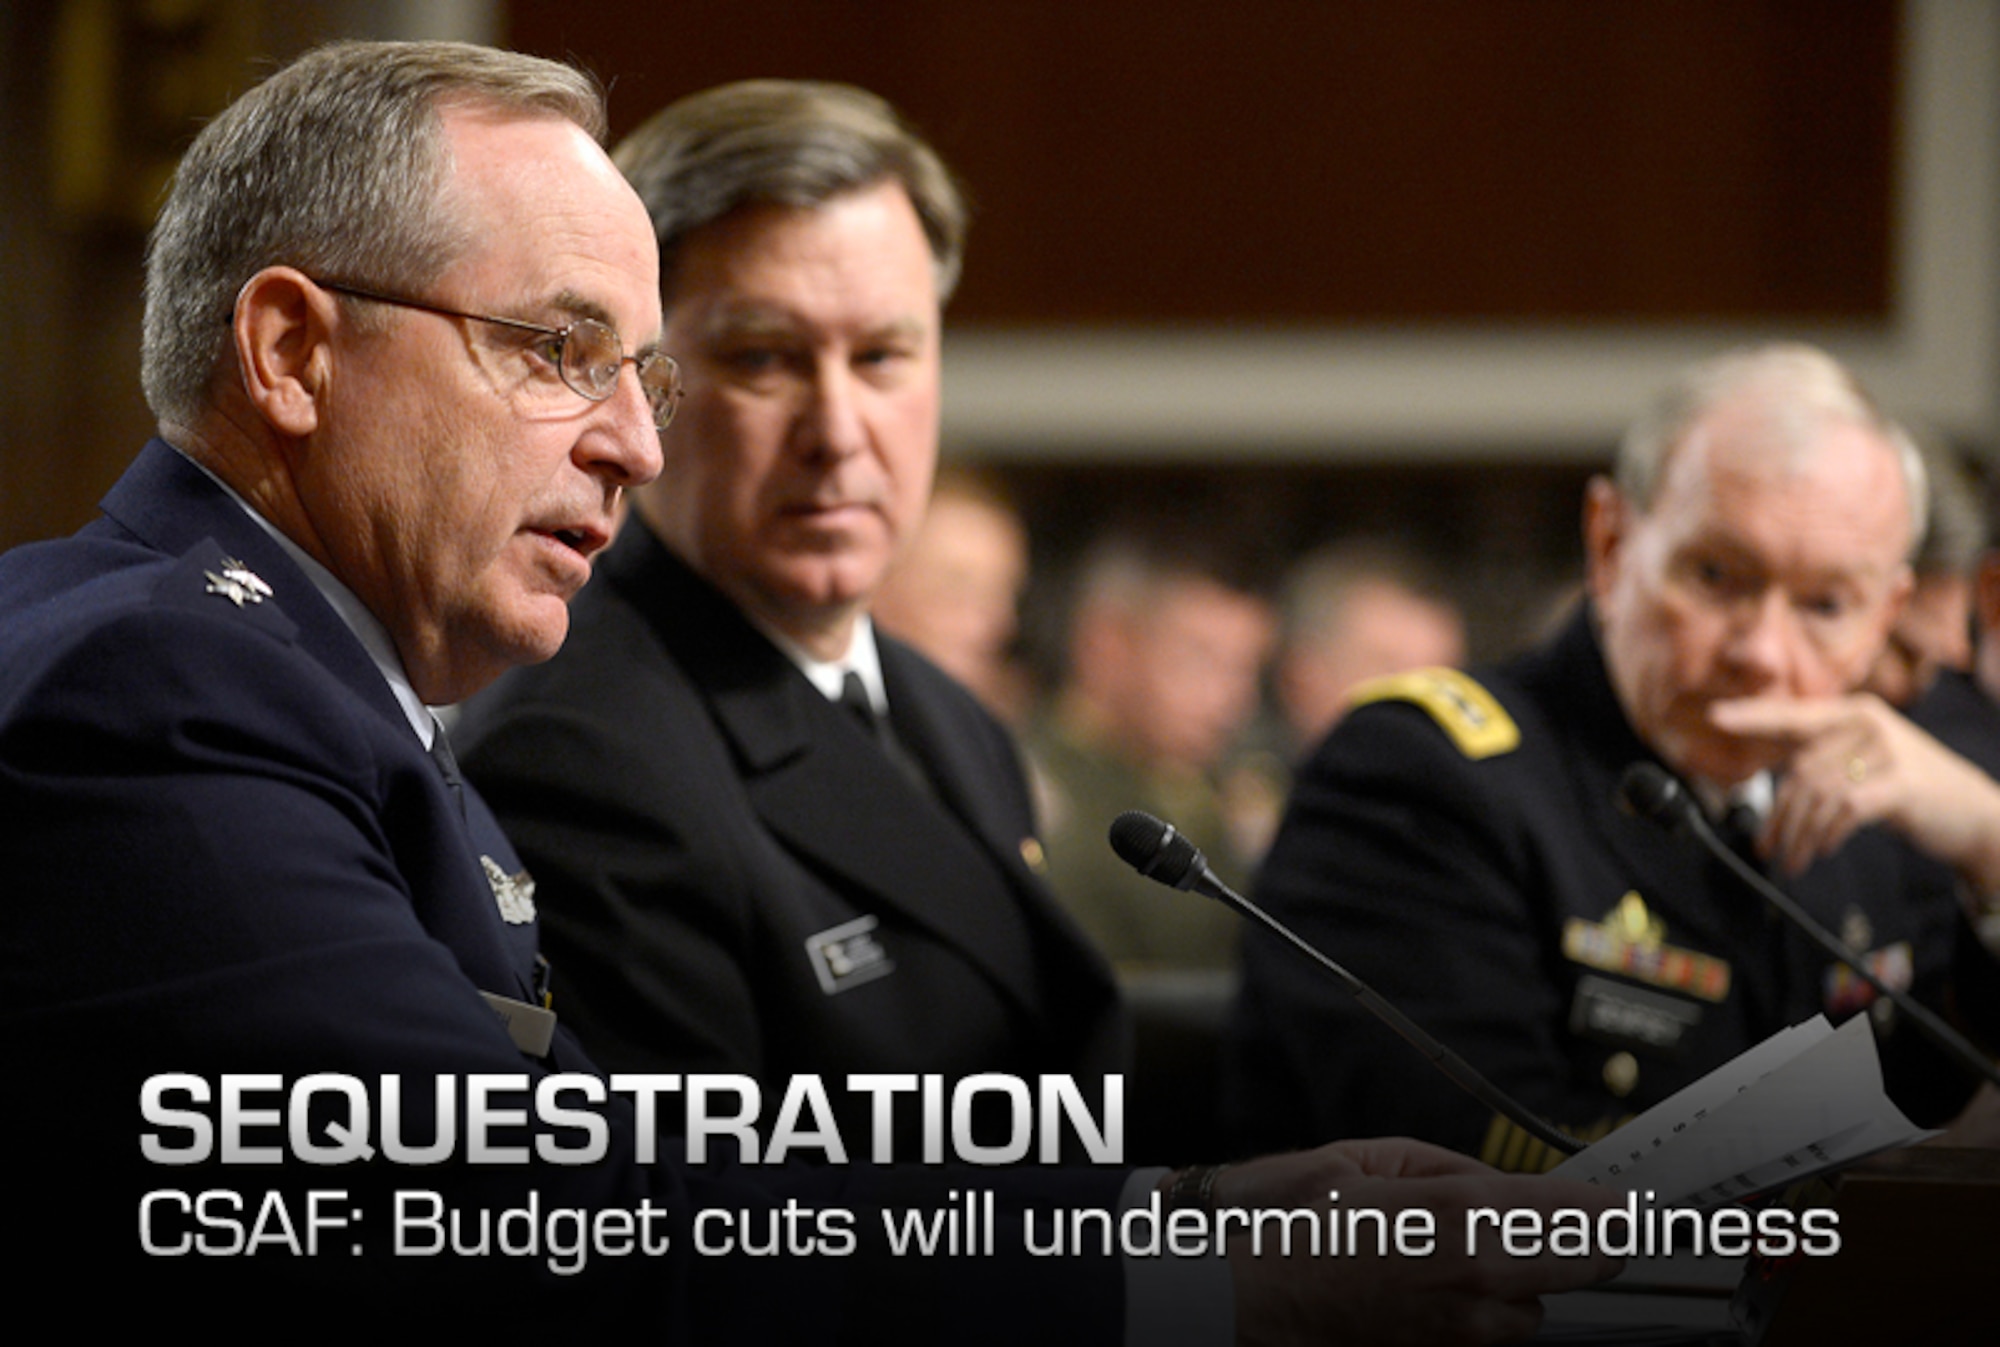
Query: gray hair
[(786, 143), (337, 165), (1802, 383)]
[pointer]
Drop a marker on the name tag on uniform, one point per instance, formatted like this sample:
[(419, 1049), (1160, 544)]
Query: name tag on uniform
[(532, 1028), (847, 955), (1630, 1017)]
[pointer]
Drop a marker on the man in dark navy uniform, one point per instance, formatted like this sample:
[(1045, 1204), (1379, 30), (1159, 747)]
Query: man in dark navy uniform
[(1456, 841), (769, 838)]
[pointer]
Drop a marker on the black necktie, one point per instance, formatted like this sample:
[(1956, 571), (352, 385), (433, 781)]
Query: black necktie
[(854, 696), (1738, 831), (447, 764)]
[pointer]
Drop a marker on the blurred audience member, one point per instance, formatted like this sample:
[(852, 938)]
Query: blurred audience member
[(1962, 709), (1351, 612), (955, 594), (1348, 612), (1166, 654), (1986, 604), (1934, 630)]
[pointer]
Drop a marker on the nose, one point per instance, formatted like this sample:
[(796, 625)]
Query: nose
[(626, 447), (1765, 640), (831, 424)]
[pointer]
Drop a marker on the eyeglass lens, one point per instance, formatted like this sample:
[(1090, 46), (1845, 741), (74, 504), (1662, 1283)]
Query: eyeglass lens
[(592, 355)]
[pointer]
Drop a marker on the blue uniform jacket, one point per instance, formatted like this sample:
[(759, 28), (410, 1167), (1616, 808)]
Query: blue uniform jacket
[(226, 851)]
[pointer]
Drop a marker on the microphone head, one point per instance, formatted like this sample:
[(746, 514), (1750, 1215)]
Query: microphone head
[(1647, 790), (1156, 849)]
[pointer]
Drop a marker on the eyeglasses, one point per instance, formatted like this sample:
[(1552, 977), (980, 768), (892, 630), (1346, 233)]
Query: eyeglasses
[(587, 354)]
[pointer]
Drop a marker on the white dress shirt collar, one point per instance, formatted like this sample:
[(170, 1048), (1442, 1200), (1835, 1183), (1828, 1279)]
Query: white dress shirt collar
[(862, 657), (1756, 794)]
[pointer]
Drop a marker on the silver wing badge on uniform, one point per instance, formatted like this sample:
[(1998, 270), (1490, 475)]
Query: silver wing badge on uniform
[(238, 583), (515, 893)]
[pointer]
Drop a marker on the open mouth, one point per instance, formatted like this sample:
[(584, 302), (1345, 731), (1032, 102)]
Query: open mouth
[(578, 544)]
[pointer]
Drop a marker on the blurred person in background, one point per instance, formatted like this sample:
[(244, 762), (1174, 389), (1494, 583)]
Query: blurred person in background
[(955, 595), (1166, 653), (1962, 707), (1350, 612), (1934, 630)]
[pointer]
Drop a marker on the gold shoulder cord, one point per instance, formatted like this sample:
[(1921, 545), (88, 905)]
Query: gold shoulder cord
[(1475, 720)]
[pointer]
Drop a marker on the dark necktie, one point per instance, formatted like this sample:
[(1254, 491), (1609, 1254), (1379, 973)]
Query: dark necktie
[(447, 764), (854, 696), (1738, 831)]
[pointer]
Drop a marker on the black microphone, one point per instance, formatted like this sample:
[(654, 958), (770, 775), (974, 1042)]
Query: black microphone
[(1648, 791), (1160, 852)]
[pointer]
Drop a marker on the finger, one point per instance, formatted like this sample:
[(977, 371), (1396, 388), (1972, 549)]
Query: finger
[(1814, 816), (1403, 1157), (1781, 720)]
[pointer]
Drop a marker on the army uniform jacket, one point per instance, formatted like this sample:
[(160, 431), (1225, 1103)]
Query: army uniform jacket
[(1456, 843)]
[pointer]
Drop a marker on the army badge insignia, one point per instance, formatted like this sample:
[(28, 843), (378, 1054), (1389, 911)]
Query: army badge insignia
[(1631, 941)]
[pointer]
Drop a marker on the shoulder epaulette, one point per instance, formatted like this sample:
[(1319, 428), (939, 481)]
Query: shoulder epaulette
[(1474, 719), (1511, 1149)]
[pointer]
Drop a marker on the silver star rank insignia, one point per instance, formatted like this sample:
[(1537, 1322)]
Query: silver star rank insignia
[(238, 583), (515, 893)]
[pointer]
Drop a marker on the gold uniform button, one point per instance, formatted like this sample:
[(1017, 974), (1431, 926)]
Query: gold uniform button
[(1031, 852), (1621, 1073)]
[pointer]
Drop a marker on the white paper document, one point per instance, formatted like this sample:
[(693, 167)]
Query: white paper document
[(1807, 1099)]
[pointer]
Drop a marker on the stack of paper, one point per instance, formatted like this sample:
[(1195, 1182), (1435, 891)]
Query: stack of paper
[(1807, 1099)]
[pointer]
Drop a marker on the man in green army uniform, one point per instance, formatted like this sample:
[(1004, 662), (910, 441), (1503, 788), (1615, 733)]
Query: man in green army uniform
[(1166, 651)]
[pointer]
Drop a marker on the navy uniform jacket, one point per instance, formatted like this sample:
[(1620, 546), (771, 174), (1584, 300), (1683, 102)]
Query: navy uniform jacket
[(734, 877), (225, 850), (1456, 844)]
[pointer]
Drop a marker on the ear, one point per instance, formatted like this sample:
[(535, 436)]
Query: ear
[(283, 326), (1607, 520)]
